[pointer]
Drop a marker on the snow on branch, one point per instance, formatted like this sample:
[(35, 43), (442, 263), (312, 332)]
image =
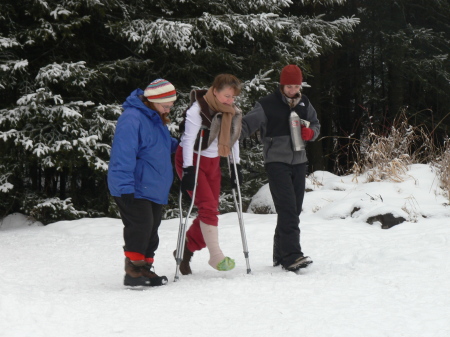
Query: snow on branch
[(248, 25), (75, 74), (68, 112), (183, 35), (40, 150), (323, 2), (270, 6), (101, 165), (9, 71), (257, 83), (316, 34), (59, 11), (213, 23), (6, 42), (8, 134), (5, 186), (171, 34)]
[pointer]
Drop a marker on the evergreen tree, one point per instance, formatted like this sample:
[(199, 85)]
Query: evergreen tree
[(66, 66)]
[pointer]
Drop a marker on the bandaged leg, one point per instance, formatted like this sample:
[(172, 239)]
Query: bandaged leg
[(216, 258)]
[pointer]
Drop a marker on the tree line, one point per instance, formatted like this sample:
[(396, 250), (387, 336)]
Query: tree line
[(67, 66)]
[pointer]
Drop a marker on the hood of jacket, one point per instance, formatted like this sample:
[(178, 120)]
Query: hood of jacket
[(133, 101)]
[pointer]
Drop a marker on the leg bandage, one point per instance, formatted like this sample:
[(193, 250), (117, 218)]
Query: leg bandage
[(211, 237)]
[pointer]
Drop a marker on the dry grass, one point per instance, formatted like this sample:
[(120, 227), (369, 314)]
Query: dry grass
[(316, 183), (387, 156), (442, 163)]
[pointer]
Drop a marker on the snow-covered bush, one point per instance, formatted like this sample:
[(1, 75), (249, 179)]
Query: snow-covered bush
[(51, 209), (262, 202)]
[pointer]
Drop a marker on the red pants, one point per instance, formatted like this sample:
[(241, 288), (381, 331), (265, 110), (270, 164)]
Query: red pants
[(206, 196)]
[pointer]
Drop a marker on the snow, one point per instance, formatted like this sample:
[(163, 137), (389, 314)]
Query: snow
[(65, 279)]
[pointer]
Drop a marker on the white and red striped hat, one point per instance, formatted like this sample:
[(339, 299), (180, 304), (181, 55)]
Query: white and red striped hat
[(160, 91)]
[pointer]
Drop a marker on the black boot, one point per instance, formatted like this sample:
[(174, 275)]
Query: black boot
[(301, 262), (185, 268), (155, 280), (133, 274)]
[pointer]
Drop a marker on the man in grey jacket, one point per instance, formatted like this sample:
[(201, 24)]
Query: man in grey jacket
[(285, 167)]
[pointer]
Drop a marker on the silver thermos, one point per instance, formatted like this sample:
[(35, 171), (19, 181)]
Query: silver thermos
[(295, 123)]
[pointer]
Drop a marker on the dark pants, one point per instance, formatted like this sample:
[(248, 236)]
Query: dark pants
[(287, 186), (141, 221)]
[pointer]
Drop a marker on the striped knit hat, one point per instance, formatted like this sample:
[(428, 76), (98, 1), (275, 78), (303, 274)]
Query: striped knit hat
[(160, 91)]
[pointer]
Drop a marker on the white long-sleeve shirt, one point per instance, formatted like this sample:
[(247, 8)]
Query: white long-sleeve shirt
[(192, 128)]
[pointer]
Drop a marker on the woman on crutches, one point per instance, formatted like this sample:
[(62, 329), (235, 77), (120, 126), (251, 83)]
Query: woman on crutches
[(213, 110)]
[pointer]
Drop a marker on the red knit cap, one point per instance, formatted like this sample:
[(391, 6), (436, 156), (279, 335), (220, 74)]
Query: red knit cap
[(291, 75)]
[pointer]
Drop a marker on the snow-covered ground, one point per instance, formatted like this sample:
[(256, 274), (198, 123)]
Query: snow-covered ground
[(65, 279)]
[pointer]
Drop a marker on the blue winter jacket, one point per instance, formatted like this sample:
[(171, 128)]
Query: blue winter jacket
[(140, 160)]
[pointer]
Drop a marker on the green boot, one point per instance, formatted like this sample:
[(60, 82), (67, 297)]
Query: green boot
[(225, 264)]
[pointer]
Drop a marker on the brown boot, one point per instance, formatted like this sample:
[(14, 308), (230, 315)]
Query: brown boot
[(133, 274), (185, 268)]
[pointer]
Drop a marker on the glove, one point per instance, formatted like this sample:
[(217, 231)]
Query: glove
[(188, 179), (307, 133), (127, 199), (233, 176)]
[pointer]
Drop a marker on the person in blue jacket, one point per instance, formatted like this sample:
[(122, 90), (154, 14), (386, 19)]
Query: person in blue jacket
[(140, 175)]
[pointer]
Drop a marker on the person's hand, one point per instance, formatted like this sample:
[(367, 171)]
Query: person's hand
[(307, 133), (127, 199), (188, 179), (233, 176)]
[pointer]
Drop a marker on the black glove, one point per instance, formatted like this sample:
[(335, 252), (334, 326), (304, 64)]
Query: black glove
[(233, 176), (127, 199), (188, 179)]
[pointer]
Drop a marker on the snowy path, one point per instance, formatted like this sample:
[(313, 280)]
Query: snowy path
[(66, 280)]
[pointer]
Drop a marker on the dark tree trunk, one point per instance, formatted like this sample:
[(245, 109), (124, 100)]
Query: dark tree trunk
[(62, 183), (395, 58), (315, 149)]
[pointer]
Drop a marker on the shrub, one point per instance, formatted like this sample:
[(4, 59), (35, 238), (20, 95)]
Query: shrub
[(386, 155)]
